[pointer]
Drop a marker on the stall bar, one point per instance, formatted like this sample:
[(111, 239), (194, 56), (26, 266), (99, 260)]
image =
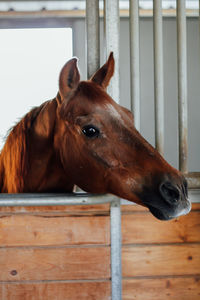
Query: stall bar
[(92, 36), (158, 75), (134, 60)]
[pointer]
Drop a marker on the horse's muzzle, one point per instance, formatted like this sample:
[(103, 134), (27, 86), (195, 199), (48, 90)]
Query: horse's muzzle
[(168, 214), (170, 202)]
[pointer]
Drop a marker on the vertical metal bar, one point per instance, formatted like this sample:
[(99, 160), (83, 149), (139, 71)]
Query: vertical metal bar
[(111, 29), (158, 75), (115, 224), (199, 20), (92, 34), (134, 60), (182, 85)]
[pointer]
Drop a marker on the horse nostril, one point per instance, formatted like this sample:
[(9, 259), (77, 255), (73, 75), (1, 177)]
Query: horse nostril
[(170, 192)]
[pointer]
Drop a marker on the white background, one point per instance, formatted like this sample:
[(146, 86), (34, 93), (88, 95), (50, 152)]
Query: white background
[(30, 62)]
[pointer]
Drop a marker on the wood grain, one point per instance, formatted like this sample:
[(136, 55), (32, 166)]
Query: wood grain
[(162, 289), (144, 228), (161, 260), (28, 230), (79, 209), (138, 208), (70, 209), (54, 263), (56, 291), (133, 289)]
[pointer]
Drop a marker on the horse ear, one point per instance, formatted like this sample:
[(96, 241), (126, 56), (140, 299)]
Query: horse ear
[(104, 74), (69, 78)]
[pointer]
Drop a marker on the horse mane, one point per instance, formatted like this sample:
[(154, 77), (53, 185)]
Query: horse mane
[(14, 155)]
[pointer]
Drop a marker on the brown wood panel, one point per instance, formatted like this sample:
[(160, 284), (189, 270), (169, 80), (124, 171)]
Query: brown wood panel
[(54, 263), (56, 291), (137, 208), (132, 208), (79, 209), (161, 260), (71, 209), (162, 289), (144, 228), (22, 230)]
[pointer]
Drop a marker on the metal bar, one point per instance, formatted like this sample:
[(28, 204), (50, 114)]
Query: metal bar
[(54, 199), (134, 60), (193, 179), (182, 85), (158, 75), (92, 34), (81, 14), (116, 274), (111, 29)]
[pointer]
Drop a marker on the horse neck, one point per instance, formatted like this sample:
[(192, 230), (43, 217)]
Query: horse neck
[(28, 162), (46, 173), (1, 174)]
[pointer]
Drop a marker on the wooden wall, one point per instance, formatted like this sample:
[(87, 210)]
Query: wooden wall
[(63, 253)]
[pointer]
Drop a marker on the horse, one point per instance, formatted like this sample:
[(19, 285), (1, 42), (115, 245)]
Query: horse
[(83, 137)]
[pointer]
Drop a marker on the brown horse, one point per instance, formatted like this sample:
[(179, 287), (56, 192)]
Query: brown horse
[(83, 137)]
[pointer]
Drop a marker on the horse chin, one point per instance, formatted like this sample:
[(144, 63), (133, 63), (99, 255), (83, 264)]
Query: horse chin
[(159, 214), (166, 215)]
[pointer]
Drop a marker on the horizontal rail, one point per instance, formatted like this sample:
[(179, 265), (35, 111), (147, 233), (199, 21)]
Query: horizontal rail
[(55, 199), (193, 179), (124, 13)]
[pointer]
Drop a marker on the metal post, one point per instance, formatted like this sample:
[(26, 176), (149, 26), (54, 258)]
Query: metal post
[(115, 224), (199, 24), (134, 61), (92, 34), (111, 28), (182, 85), (158, 75)]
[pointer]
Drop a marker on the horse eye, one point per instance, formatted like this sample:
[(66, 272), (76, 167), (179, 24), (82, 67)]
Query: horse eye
[(90, 131)]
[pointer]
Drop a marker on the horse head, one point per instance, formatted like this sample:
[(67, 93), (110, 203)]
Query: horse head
[(102, 152)]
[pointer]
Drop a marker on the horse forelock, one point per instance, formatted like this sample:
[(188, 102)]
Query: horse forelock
[(92, 91), (85, 99), (14, 155)]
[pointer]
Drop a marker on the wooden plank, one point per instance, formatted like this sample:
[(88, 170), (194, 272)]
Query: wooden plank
[(138, 208), (56, 291), (132, 208), (54, 263), (78, 209), (161, 260), (28, 230), (163, 288), (144, 228), (70, 209)]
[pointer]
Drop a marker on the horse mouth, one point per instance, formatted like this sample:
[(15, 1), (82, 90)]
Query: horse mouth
[(167, 215), (156, 212)]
